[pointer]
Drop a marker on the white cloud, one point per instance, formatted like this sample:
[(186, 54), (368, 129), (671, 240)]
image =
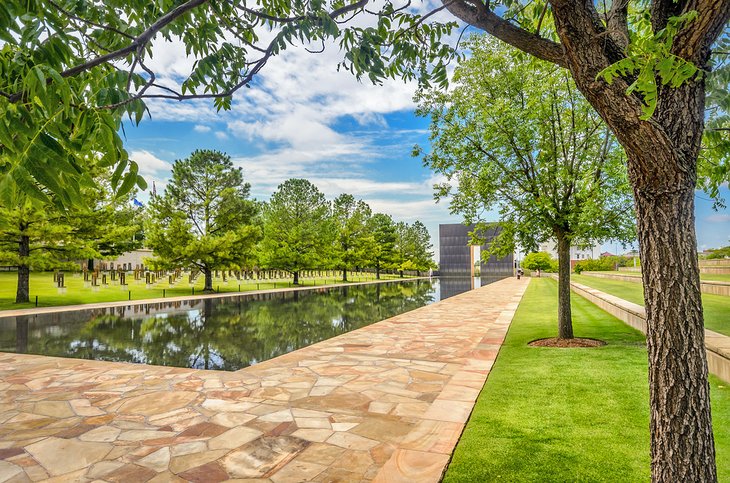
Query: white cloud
[(221, 135), (149, 164), (718, 218), (201, 128)]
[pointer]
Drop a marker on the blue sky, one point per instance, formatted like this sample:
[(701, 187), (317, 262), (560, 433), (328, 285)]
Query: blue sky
[(305, 119)]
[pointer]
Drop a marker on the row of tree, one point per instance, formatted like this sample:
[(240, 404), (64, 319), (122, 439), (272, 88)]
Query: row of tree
[(206, 219)]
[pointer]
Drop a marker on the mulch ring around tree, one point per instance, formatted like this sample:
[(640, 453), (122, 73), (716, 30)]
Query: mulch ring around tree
[(566, 343)]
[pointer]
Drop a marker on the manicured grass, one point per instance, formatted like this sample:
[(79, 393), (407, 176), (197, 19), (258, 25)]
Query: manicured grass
[(710, 277), (550, 414), (717, 307), (42, 285)]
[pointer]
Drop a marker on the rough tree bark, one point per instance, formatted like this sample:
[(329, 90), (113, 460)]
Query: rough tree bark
[(662, 163), (296, 277), (22, 295), (565, 317), (679, 390)]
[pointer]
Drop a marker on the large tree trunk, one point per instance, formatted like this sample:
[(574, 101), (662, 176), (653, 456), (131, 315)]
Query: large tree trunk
[(377, 270), (90, 264), (565, 317), (662, 164), (208, 280), (22, 295), (682, 446), (296, 278), (344, 274)]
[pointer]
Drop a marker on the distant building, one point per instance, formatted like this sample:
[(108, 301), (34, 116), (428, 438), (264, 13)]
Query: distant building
[(607, 254), (457, 256), (133, 260), (576, 253)]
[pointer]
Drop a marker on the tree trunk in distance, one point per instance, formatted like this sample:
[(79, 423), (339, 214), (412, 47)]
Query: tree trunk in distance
[(296, 278), (565, 317), (21, 334), (377, 271), (678, 384), (344, 274), (22, 294), (90, 264), (208, 280)]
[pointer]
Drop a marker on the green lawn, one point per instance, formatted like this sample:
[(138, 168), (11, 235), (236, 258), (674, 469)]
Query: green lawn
[(717, 307), (710, 277), (568, 414), (42, 285)]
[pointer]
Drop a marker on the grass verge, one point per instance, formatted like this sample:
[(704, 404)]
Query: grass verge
[(550, 414), (716, 307), (709, 277)]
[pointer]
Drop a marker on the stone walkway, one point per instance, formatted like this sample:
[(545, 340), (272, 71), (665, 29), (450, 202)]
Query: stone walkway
[(387, 402)]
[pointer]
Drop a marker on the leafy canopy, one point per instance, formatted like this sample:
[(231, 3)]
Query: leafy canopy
[(538, 261), (70, 70), (205, 218), (514, 135), (350, 218), (298, 231)]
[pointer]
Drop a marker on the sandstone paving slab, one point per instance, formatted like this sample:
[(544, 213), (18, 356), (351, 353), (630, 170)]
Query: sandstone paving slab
[(387, 402)]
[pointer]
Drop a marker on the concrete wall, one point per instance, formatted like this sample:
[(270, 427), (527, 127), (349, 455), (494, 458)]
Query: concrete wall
[(717, 262), (706, 286), (717, 345)]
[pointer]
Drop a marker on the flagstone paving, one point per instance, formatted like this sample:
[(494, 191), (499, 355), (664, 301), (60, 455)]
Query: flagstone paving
[(384, 403)]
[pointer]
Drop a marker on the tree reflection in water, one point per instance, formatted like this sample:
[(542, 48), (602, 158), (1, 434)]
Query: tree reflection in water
[(228, 333)]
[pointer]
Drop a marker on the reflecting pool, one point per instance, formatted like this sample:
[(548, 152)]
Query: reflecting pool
[(224, 333)]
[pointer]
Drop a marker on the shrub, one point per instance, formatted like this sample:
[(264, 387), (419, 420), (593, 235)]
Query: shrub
[(540, 261)]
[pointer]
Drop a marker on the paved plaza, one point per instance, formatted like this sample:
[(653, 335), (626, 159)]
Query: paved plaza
[(386, 402)]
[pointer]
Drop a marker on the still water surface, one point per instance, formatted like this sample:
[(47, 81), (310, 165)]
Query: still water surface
[(226, 333)]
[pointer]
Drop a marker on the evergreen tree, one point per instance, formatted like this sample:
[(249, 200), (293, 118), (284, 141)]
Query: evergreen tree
[(298, 230), (380, 243), (38, 236), (350, 220), (205, 218), (421, 248)]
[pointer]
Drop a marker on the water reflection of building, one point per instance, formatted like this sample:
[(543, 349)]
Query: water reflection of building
[(458, 257)]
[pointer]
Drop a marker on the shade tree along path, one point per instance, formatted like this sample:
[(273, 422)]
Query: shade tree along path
[(513, 135), (64, 94)]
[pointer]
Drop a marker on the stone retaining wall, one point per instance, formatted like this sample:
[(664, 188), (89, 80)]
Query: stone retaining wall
[(707, 286), (717, 262), (717, 345)]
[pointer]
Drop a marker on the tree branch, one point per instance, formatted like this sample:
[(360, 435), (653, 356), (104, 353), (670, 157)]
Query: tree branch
[(694, 41), (479, 15)]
